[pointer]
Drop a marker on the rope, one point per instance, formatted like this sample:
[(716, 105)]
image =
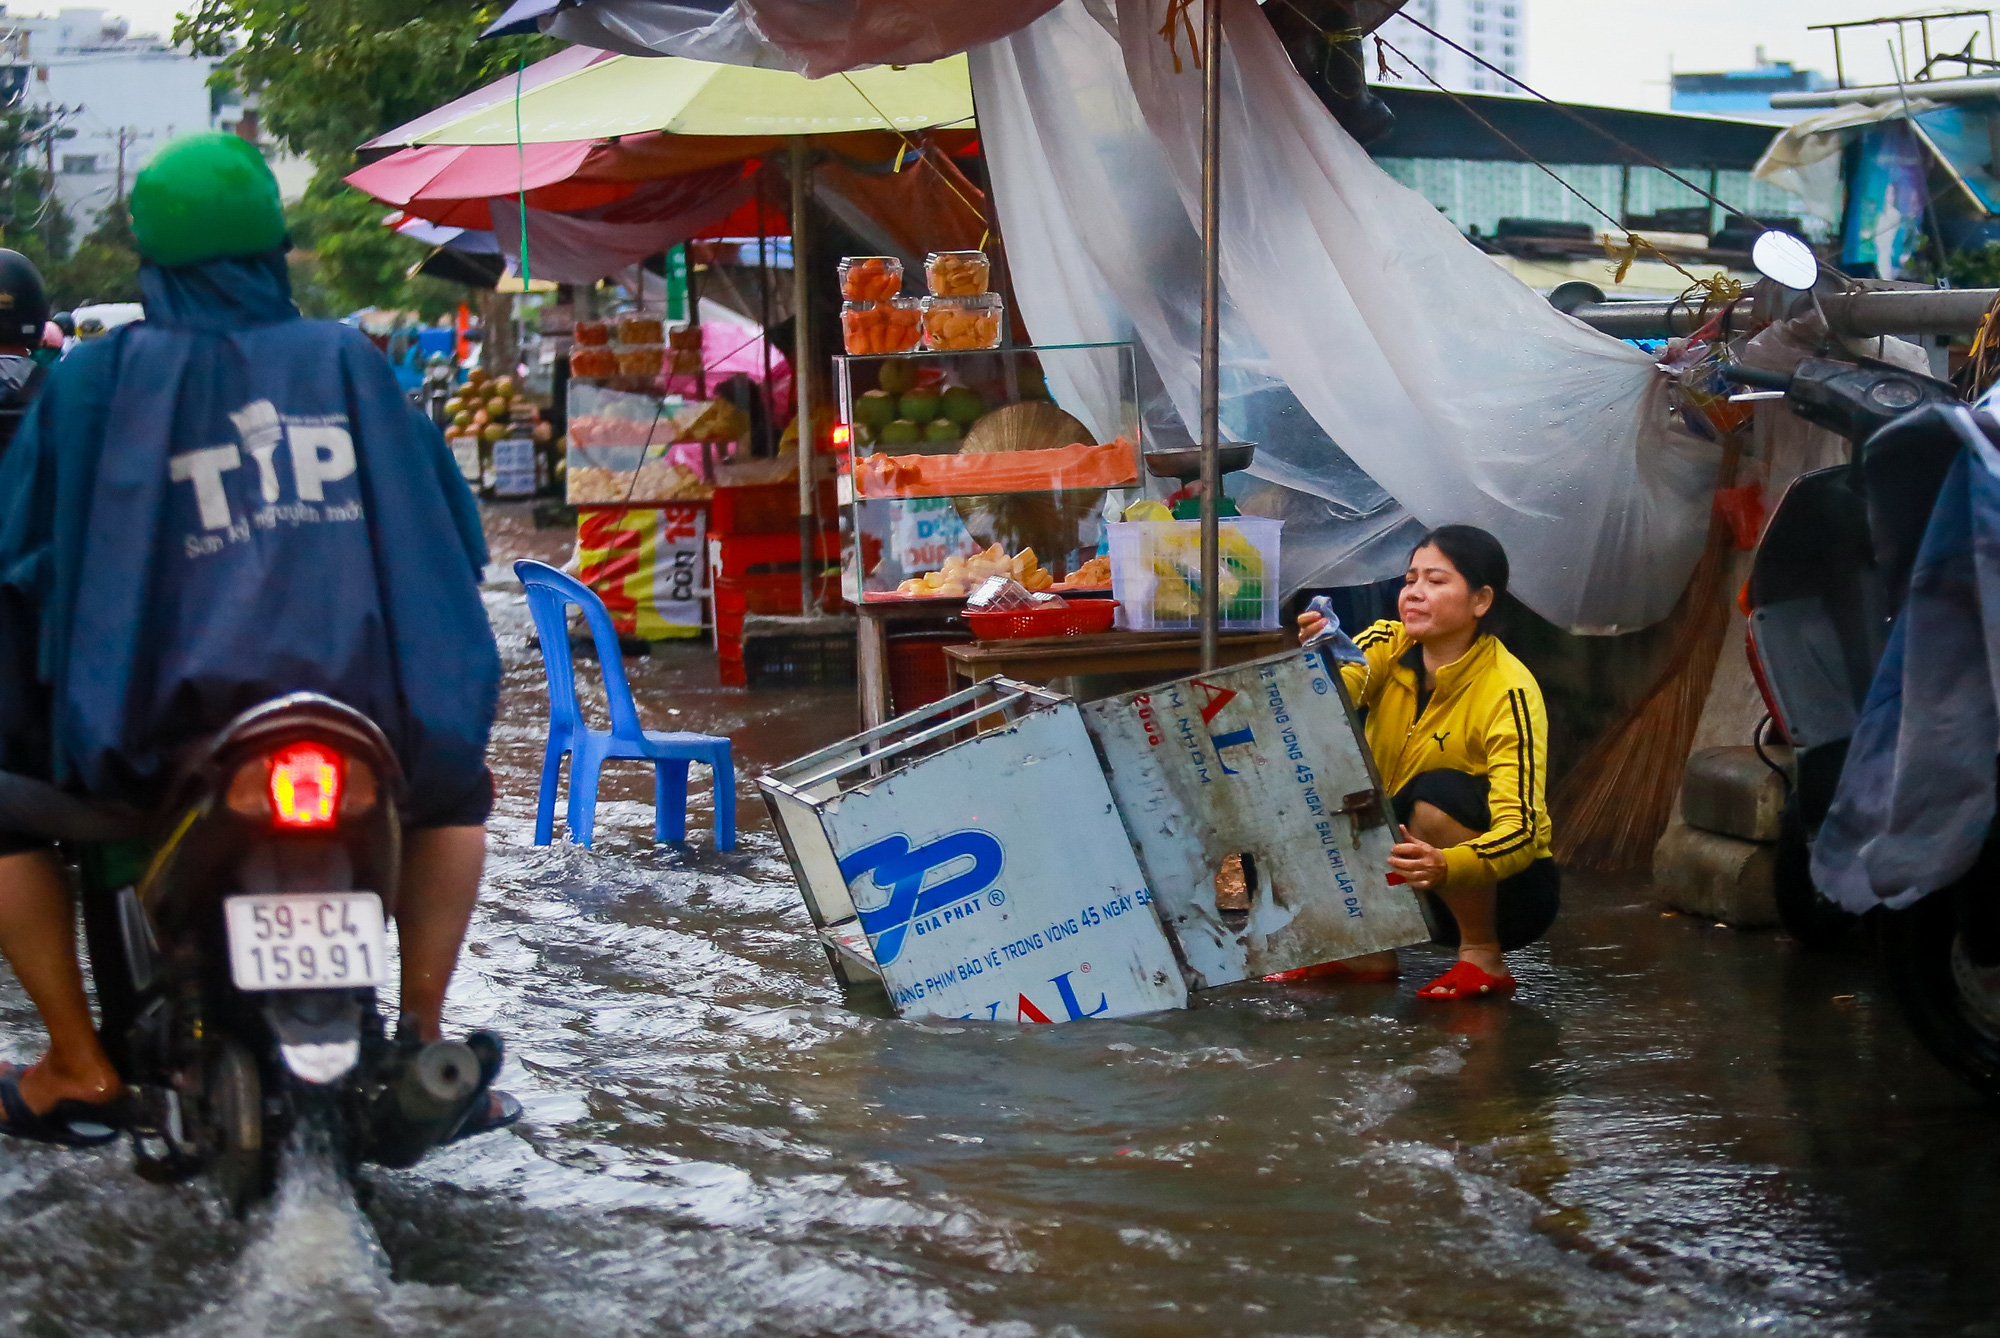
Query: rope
[(1177, 14), (521, 167), (1716, 287), (910, 145)]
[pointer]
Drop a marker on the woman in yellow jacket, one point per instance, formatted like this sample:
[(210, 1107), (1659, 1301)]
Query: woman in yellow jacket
[(1460, 737)]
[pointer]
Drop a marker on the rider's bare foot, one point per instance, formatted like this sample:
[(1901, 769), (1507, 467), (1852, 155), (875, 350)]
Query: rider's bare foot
[(48, 1080)]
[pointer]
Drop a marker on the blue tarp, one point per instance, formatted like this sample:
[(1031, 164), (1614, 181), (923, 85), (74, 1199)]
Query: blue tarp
[(1916, 796), (222, 504)]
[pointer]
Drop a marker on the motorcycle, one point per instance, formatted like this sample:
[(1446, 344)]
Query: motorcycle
[(237, 938), (1825, 588)]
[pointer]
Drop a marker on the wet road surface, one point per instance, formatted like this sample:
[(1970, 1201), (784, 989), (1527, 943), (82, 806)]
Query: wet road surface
[(1676, 1129)]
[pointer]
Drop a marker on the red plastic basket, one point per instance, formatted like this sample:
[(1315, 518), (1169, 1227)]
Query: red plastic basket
[(1083, 617)]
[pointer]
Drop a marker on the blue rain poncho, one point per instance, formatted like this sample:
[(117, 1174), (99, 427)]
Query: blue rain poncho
[(219, 505), (1915, 802)]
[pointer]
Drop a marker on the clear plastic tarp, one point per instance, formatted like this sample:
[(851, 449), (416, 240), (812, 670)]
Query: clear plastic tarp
[(1389, 371)]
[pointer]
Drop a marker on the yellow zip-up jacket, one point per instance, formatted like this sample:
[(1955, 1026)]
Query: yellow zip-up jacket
[(1486, 718)]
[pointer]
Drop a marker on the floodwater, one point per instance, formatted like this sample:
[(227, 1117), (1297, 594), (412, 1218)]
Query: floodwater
[(1676, 1129)]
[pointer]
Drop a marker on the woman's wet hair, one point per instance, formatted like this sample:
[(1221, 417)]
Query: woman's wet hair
[(1478, 557)]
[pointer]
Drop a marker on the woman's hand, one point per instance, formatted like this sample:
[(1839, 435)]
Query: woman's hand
[(1420, 863), (1310, 626)]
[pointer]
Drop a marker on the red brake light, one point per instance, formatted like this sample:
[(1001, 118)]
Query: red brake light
[(305, 786)]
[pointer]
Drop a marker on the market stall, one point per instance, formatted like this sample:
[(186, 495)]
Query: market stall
[(996, 500)]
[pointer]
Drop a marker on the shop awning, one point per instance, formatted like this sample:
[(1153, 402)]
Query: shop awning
[(607, 97)]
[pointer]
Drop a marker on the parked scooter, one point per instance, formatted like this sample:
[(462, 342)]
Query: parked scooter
[(1827, 583), (236, 940)]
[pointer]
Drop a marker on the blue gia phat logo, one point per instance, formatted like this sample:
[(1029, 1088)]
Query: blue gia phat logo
[(902, 870)]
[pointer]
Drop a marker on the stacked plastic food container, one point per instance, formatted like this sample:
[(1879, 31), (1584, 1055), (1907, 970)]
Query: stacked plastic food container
[(632, 347), (960, 314)]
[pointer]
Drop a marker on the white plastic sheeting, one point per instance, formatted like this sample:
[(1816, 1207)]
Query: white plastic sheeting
[(816, 38), (1356, 314)]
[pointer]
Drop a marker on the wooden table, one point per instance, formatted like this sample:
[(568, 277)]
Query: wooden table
[(871, 644), (1040, 660)]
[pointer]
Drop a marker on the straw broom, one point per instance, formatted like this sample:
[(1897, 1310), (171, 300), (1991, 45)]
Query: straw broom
[(1611, 809)]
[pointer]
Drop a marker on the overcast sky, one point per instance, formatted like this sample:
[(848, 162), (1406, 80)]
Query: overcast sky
[(1615, 52)]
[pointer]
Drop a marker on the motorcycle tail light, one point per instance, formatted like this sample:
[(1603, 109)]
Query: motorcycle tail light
[(256, 788), (305, 786)]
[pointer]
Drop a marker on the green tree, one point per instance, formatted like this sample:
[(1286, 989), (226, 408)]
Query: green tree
[(30, 220), (330, 75), (333, 74), (103, 268)]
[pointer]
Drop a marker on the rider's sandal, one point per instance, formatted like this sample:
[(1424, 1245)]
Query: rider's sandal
[(69, 1123), (492, 1110), (1334, 971), (496, 1111), (1466, 981)]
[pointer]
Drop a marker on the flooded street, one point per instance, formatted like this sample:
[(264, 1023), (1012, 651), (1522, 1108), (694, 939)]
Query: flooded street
[(1675, 1129)]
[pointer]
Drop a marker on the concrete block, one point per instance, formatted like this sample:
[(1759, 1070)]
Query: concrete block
[(1729, 791), (1715, 877)]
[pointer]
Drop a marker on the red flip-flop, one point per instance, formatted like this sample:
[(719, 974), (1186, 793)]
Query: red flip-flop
[(1333, 971), (1466, 981)]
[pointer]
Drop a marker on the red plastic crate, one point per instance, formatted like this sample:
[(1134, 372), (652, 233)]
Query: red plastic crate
[(918, 674), (1085, 617), (765, 508), (740, 554)]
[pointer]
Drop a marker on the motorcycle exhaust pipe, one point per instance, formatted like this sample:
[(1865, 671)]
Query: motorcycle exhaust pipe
[(425, 1102)]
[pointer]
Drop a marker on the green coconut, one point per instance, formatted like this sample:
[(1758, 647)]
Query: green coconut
[(875, 408), (919, 406), (963, 405), (941, 432), (902, 432), (898, 376)]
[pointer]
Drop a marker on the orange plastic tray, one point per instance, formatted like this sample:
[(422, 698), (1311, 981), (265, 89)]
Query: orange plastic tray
[(1055, 470)]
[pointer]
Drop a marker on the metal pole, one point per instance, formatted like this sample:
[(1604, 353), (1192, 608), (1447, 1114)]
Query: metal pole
[(1211, 319), (802, 371)]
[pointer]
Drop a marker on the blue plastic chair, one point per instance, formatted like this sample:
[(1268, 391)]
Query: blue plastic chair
[(550, 593)]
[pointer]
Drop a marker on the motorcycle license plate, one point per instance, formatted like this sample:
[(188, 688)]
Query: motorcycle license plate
[(306, 940)]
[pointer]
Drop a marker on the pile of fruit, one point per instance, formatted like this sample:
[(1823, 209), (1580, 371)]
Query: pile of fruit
[(492, 410), (960, 575), (901, 414)]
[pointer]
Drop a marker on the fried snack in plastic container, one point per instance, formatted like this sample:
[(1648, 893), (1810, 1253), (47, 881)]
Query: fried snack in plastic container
[(641, 330), (593, 360), (955, 323), (641, 359), (894, 326), (870, 278), (957, 273), (592, 332)]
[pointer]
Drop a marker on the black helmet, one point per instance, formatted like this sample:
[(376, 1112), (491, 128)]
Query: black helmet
[(24, 303), (66, 323)]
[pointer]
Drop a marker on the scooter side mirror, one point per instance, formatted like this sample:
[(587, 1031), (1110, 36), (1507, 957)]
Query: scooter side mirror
[(1785, 260)]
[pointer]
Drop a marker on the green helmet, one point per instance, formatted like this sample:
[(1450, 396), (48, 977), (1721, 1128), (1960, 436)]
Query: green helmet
[(206, 196)]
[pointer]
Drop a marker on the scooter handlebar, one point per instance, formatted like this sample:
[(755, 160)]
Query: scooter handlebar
[(1757, 376)]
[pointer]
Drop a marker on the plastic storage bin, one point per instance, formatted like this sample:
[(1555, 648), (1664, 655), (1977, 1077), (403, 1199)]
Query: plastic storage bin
[(957, 273), (870, 278), (892, 326), (1156, 573), (952, 324)]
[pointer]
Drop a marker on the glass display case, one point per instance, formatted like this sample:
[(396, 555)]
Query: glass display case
[(985, 462), (636, 448)]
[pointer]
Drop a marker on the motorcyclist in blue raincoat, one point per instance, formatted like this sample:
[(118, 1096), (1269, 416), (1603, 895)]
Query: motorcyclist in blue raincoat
[(216, 506)]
